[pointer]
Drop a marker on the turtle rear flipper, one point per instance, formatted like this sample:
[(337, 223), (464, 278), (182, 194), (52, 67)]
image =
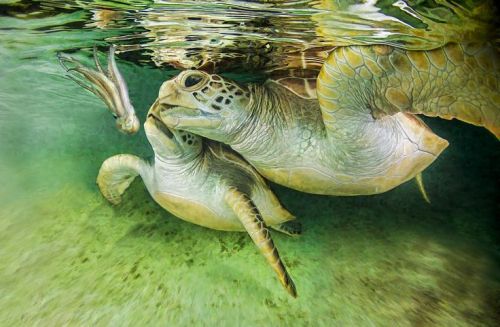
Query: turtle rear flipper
[(251, 219), (291, 228), (117, 173)]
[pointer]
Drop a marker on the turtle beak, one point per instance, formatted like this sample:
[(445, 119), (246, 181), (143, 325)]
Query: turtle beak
[(154, 116), (155, 107)]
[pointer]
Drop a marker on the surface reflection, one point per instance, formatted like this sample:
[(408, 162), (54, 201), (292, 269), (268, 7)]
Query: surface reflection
[(266, 35)]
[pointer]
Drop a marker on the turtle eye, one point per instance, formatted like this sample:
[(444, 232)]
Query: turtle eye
[(192, 80)]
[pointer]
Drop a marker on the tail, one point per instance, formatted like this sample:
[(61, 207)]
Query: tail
[(421, 187), (117, 173)]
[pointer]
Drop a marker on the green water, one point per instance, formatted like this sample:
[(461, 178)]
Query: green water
[(67, 257)]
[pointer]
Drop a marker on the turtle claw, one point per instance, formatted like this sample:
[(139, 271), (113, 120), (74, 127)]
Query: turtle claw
[(108, 85)]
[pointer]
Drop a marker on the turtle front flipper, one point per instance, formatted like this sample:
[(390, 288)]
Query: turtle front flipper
[(459, 81), (109, 86), (117, 173), (251, 219)]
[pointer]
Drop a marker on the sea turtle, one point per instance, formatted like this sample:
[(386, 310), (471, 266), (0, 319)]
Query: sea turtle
[(197, 180), (361, 135)]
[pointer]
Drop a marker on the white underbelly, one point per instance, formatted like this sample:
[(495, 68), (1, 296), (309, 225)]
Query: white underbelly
[(197, 213)]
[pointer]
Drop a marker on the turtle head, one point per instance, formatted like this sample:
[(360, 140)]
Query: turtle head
[(169, 143), (204, 104)]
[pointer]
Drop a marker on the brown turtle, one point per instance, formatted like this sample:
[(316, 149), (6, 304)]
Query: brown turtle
[(361, 135)]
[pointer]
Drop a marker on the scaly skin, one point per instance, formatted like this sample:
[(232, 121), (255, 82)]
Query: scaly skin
[(456, 81), (284, 137), (364, 156), (190, 179), (197, 180), (256, 228), (205, 185), (360, 136)]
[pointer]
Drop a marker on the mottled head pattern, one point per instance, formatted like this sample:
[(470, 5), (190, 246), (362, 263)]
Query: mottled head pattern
[(205, 104), (212, 92)]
